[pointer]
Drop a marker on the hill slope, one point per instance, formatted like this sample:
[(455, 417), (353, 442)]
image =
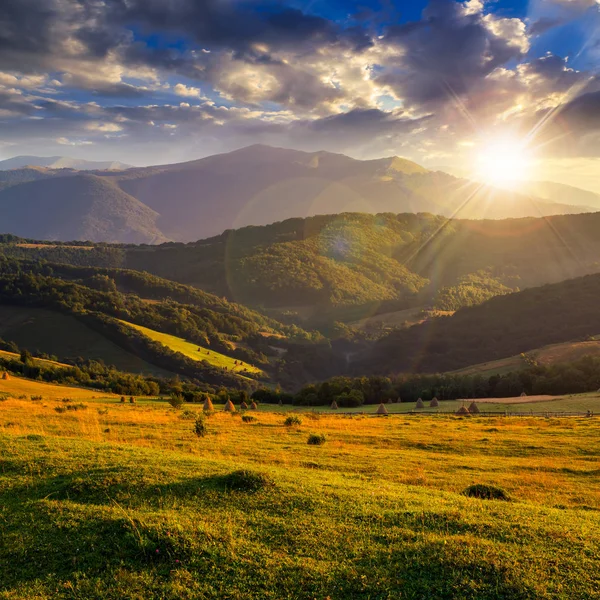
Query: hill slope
[(501, 327), (83, 207)]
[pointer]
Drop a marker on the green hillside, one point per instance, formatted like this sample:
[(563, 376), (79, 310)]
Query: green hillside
[(53, 333), (198, 353)]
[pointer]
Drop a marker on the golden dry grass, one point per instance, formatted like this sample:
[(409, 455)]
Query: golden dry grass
[(548, 461), (18, 386)]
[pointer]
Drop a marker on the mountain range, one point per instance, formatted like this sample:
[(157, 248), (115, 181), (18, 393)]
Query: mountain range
[(59, 162), (256, 185)]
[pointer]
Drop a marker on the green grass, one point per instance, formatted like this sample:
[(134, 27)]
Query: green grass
[(124, 501), (38, 329), (192, 351)]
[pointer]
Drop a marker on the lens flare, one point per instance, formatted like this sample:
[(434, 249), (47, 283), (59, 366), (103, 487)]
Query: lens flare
[(503, 162)]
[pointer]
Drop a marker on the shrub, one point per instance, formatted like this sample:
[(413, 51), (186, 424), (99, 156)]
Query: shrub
[(37, 398), (200, 427), (316, 439), (79, 406), (248, 419), (60, 409), (485, 492), (292, 420), (176, 401), (188, 414), (247, 481)]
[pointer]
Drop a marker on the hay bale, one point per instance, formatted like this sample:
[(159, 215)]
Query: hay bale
[(334, 405), (229, 406), (434, 403), (382, 410), (208, 405), (243, 406), (420, 403), (253, 406), (462, 411), (5, 376), (473, 408)]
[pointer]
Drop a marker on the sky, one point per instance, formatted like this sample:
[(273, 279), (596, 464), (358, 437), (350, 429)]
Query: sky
[(441, 82)]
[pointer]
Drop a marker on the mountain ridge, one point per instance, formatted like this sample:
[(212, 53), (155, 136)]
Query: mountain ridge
[(258, 185)]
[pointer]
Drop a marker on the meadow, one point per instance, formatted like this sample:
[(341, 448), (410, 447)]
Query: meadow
[(125, 501), (196, 352)]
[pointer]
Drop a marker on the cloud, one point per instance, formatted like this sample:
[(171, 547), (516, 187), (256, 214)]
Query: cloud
[(187, 77), (442, 56), (187, 92)]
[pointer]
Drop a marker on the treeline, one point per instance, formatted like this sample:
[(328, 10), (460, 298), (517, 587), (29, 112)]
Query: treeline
[(579, 376)]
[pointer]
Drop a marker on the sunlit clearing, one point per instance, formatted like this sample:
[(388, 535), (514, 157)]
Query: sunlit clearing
[(503, 162)]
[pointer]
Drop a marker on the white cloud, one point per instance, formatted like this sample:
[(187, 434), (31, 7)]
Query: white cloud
[(187, 92)]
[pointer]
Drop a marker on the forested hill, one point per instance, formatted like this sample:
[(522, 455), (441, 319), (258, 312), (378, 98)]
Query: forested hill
[(379, 262), (501, 327), (102, 299)]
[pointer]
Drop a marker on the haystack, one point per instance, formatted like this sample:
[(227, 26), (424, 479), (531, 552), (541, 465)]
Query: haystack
[(434, 402), (5, 376), (208, 405), (243, 406), (382, 410), (462, 411), (473, 408), (523, 394), (334, 405), (388, 401), (280, 403), (229, 406), (253, 406), (420, 403)]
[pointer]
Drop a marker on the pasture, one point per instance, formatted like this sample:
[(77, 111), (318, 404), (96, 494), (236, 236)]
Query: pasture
[(125, 501), (196, 352)]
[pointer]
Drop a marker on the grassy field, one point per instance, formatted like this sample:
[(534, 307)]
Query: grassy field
[(548, 355), (124, 501), (192, 351), (37, 329), (18, 386)]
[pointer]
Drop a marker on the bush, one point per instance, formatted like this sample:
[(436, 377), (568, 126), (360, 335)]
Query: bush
[(485, 492), (247, 481), (188, 414), (248, 419), (176, 401), (34, 398), (292, 420), (316, 439), (200, 427)]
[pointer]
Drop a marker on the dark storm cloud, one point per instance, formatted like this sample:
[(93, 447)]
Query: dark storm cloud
[(445, 53)]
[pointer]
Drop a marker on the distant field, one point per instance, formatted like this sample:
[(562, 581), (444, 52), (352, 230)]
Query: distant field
[(42, 330), (17, 386), (37, 361), (125, 501), (571, 403), (555, 353), (196, 352)]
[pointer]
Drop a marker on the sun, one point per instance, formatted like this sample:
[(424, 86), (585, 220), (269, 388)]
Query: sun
[(503, 162)]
